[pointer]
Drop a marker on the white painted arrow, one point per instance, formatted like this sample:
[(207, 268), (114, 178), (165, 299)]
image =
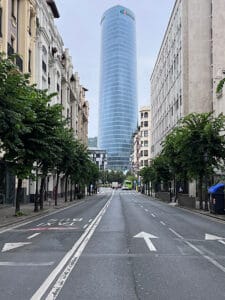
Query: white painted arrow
[(10, 246), (147, 238), (211, 237)]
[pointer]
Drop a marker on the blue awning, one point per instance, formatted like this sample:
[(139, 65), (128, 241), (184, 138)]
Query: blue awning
[(215, 187)]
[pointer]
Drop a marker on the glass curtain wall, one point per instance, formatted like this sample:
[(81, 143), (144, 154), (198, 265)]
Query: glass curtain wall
[(118, 86)]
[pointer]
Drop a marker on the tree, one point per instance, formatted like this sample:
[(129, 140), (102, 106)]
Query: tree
[(198, 146), (16, 119), (45, 138)]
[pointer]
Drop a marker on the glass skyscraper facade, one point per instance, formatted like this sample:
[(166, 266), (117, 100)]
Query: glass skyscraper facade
[(118, 86)]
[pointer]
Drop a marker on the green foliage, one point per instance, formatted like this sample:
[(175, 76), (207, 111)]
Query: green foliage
[(32, 131), (220, 85)]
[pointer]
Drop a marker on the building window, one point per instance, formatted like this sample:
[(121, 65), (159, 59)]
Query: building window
[(0, 21), (145, 133), (145, 143), (145, 123), (146, 162), (29, 61), (13, 8), (44, 67), (44, 59), (146, 115), (71, 116), (145, 152), (30, 23), (10, 49)]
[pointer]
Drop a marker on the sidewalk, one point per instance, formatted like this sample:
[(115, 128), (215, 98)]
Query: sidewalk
[(200, 211), (194, 210), (7, 212), (206, 213)]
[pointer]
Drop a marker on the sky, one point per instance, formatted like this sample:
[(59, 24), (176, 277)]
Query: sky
[(79, 26)]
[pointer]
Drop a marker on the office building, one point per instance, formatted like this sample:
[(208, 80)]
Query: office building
[(189, 65), (118, 91)]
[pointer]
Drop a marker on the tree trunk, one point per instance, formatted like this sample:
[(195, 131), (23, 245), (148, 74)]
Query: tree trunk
[(206, 194), (46, 189), (42, 192), (56, 189), (74, 192), (18, 195), (66, 187), (200, 192), (71, 192), (36, 195)]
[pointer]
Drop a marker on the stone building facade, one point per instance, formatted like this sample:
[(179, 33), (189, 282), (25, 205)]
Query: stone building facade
[(188, 67), (27, 27), (145, 136), (140, 157), (18, 31)]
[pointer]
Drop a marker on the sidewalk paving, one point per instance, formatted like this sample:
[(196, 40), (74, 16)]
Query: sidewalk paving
[(200, 211), (204, 212), (7, 212)]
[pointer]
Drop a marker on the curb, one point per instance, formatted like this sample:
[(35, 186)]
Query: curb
[(215, 216), (202, 213)]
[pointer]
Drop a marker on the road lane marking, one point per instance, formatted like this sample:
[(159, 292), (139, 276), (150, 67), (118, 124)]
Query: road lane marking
[(153, 215), (177, 234), (146, 209), (161, 222), (68, 258), (90, 220), (38, 218), (211, 237), (21, 264), (10, 246), (52, 228), (33, 235), (147, 238), (86, 225), (211, 260)]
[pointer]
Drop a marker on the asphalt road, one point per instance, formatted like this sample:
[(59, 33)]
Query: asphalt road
[(120, 245)]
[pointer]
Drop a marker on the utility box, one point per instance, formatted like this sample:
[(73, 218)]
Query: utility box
[(216, 201)]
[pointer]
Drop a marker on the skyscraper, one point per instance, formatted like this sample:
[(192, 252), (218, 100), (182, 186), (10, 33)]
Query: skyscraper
[(118, 86)]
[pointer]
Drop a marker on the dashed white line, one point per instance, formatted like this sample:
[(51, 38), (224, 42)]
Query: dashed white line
[(153, 215), (146, 209), (33, 235), (86, 225), (211, 260), (161, 222), (177, 234), (90, 220)]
